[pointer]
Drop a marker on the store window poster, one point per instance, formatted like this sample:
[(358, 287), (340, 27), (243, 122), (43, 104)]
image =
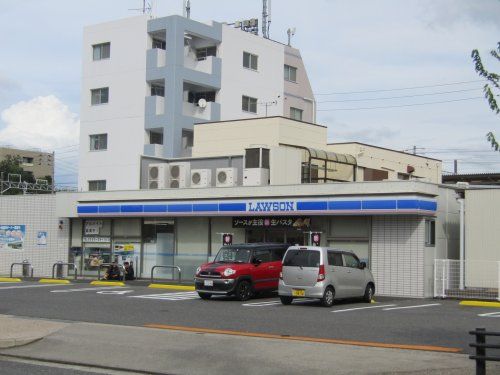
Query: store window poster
[(12, 237)]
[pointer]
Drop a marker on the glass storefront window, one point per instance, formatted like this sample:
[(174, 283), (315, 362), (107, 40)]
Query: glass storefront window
[(158, 237)]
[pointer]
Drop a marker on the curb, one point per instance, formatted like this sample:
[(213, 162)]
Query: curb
[(54, 281), (479, 303), (171, 286), (12, 343), (10, 280), (107, 283)]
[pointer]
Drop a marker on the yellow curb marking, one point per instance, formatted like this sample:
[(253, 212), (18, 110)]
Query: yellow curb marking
[(429, 348), (108, 283), (54, 281), (480, 303), (173, 287), (10, 280)]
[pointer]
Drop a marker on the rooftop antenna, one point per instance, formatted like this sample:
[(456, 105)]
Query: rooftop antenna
[(187, 9), (146, 7), (266, 18), (290, 32)]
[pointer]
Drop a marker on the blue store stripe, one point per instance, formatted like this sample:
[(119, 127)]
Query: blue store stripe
[(428, 205), (379, 205), (109, 209), (87, 209), (206, 207), (344, 205), (407, 204), (132, 208), (155, 208), (312, 206), (180, 208), (225, 207)]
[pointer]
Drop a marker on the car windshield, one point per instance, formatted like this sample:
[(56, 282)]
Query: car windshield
[(301, 258), (233, 255)]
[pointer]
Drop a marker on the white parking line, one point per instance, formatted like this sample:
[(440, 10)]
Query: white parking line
[(31, 286), (170, 296), (85, 289), (272, 303), (362, 308), (412, 307), (495, 314)]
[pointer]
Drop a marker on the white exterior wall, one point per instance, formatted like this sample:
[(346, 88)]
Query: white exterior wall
[(123, 117), (37, 213), (265, 84), (397, 255)]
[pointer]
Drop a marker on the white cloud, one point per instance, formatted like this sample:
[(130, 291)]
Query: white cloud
[(43, 122)]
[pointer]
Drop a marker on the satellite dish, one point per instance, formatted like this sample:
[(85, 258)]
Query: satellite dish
[(202, 103)]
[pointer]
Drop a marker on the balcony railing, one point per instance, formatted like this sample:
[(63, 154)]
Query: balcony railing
[(193, 110), (153, 150), (155, 105), (204, 66), (156, 58)]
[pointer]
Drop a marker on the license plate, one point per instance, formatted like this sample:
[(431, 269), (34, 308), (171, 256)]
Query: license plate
[(208, 283), (298, 292)]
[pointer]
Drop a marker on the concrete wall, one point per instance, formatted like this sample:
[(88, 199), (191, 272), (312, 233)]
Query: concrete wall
[(232, 137), (123, 117), (392, 161), (398, 246), (37, 213), (265, 84), (298, 94)]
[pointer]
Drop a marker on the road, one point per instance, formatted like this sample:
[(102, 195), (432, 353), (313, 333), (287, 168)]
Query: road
[(389, 321)]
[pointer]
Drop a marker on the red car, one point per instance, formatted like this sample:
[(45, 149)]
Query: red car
[(241, 270)]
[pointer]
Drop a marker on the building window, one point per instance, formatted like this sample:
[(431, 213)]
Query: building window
[(99, 96), (97, 185), (249, 104), (370, 174), (101, 51), (290, 73), (98, 142), (296, 114), (250, 61), (430, 232), (159, 44), (157, 90), (203, 53), (155, 138), (403, 176), (194, 97), (27, 161)]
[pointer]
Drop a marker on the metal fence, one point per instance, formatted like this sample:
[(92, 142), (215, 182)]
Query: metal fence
[(474, 279)]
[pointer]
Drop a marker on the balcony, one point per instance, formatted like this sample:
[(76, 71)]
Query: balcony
[(155, 105), (156, 58), (193, 110), (208, 65), (153, 150)]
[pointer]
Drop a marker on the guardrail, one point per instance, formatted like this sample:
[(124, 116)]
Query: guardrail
[(24, 263), (169, 267), (60, 263), (481, 357), (107, 265)]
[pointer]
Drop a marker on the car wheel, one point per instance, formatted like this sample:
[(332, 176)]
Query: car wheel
[(328, 297), (204, 295), (369, 292), (243, 291), (286, 300)]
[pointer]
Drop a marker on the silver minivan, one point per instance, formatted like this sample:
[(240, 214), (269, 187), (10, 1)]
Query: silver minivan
[(324, 273)]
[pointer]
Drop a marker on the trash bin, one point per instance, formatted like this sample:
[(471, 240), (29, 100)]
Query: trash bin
[(26, 269), (59, 270)]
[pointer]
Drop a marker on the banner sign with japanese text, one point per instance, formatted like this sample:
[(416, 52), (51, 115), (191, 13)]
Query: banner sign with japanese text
[(272, 222)]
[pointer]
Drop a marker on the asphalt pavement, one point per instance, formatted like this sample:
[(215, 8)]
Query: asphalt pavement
[(395, 321)]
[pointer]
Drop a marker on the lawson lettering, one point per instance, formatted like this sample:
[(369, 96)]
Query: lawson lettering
[(271, 206)]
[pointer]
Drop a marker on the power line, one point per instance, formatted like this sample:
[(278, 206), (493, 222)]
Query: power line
[(400, 88), (399, 106), (398, 97)]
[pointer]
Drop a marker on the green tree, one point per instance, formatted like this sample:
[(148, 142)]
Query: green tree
[(490, 88), (12, 165)]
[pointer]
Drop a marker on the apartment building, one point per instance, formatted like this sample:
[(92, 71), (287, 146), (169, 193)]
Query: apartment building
[(39, 164), (147, 81)]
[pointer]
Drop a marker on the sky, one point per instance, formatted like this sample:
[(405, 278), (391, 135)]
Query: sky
[(392, 73)]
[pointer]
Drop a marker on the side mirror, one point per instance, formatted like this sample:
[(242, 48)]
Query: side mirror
[(362, 265), (256, 262)]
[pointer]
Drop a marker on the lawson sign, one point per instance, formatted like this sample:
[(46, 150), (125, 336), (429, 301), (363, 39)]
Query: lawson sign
[(266, 207)]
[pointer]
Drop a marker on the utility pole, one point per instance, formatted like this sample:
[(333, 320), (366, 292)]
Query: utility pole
[(455, 166)]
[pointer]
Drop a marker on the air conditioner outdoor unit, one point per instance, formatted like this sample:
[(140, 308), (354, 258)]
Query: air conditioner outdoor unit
[(180, 175), (201, 178), (226, 177), (158, 176), (255, 176)]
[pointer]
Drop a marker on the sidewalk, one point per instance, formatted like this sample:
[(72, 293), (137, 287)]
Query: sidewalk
[(177, 352)]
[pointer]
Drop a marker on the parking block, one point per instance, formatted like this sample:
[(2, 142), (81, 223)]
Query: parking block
[(172, 286), (107, 283), (54, 281), (10, 280), (480, 303)]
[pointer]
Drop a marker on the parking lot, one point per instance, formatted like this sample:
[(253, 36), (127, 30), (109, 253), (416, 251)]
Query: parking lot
[(428, 324)]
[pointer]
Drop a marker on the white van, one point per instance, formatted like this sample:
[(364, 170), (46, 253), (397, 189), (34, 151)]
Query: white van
[(324, 273)]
